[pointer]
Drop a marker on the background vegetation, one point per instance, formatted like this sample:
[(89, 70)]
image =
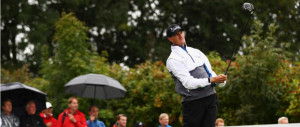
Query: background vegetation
[(58, 40)]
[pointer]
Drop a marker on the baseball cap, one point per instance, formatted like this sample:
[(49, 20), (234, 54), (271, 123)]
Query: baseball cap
[(48, 105), (173, 29), (139, 124)]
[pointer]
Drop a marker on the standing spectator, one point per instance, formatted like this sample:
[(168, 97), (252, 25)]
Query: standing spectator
[(47, 116), (93, 122), (8, 119), (31, 119), (72, 117), (220, 122), (283, 120), (121, 121), (164, 120)]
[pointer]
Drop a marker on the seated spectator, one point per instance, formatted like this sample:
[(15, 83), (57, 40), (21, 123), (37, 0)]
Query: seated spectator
[(72, 117), (164, 120), (93, 122), (283, 120), (47, 116), (121, 121), (31, 119), (220, 122), (8, 119), (139, 124)]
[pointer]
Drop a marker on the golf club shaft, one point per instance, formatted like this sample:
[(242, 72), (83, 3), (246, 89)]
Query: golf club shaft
[(237, 45)]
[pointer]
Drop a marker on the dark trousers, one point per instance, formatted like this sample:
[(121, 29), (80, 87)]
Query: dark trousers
[(200, 112)]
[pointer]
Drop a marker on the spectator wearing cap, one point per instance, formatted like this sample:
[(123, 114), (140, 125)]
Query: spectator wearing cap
[(93, 122), (8, 119), (47, 116), (139, 124), (164, 120)]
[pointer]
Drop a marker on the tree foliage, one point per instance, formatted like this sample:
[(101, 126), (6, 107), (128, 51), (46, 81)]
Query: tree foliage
[(254, 91), (263, 81), (134, 31)]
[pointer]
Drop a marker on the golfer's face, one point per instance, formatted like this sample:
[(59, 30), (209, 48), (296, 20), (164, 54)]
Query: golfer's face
[(123, 121), (178, 39), (164, 121), (74, 104)]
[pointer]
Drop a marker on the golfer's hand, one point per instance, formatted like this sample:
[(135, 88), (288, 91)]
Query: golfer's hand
[(71, 117), (218, 79)]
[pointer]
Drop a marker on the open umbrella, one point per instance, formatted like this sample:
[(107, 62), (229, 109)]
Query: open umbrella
[(95, 86), (20, 94)]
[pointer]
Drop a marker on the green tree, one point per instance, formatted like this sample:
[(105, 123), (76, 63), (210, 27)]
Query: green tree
[(133, 31), (252, 93), (72, 58)]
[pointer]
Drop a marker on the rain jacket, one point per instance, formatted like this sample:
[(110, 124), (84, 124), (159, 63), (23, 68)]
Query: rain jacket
[(79, 116), (95, 123), (9, 121), (166, 126), (32, 121), (191, 71), (48, 119)]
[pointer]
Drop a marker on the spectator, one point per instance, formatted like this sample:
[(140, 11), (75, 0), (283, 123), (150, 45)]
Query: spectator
[(8, 119), (47, 116), (121, 121), (93, 122), (283, 120), (31, 119), (72, 117), (220, 122), (164, 120)]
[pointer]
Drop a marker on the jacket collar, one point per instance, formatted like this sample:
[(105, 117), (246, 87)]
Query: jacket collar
[(67, 111)]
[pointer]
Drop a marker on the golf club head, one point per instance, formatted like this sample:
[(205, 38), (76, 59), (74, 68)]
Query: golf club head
[(222, 84), (249, 7)]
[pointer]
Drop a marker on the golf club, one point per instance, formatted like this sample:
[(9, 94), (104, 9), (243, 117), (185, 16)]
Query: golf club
[(250, 8)]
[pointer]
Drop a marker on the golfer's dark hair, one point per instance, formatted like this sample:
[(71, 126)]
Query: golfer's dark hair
[(2, 103), (91, 106), (71, 99), (121, 115)]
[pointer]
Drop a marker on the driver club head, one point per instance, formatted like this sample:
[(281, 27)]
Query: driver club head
[(249, 7)]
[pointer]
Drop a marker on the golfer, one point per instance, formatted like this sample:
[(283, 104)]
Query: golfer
[(194, 80)]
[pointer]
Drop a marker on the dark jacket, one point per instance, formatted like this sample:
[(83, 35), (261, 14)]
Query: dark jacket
[(32, 121)]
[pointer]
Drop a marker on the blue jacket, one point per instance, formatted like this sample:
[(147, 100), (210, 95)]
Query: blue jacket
[(166, 126), (95, 123)]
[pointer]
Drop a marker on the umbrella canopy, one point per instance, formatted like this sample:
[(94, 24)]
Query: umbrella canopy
[(20, 94), (95, 86)]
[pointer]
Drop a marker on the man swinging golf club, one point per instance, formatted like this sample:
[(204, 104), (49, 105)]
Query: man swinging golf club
[(194, 80)]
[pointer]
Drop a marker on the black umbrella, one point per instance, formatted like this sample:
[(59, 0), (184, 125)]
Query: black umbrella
[(20, 94), (95, 86)]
